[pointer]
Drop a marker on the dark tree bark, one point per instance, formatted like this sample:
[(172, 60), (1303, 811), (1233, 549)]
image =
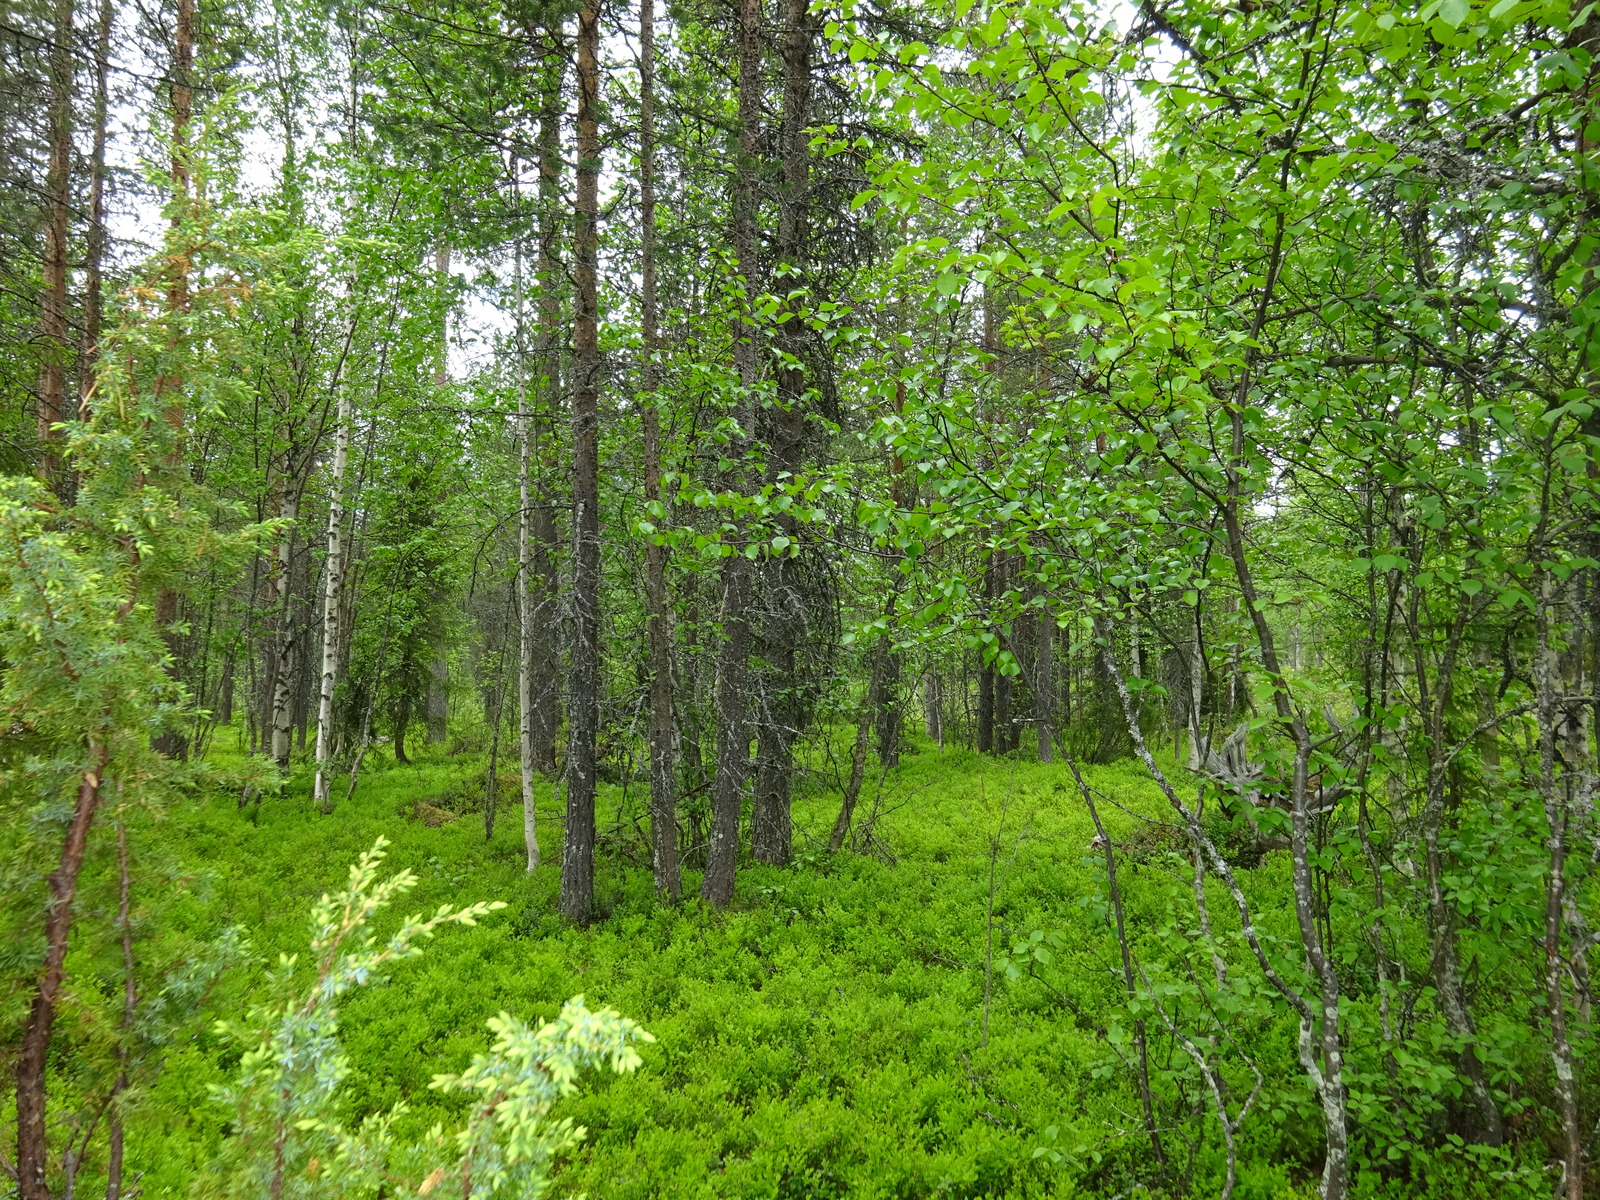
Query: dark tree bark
[(783, 702), (888, 715), (663, 783), (577, 861), (1044, 685), (733, 700), (402, 724)]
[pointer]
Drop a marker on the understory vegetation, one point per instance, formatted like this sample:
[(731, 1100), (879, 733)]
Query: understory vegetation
[(942, 1016), (799, 598)]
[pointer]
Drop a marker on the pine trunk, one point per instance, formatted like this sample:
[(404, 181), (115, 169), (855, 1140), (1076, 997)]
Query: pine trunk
[(577, 863), (53, 300), (733, 700), (663, 781)]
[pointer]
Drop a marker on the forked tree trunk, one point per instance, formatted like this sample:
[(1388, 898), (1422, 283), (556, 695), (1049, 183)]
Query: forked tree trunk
[(577, 863)]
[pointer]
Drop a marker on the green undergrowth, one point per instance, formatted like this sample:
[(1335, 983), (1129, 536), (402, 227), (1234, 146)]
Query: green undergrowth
[(829, 1035)]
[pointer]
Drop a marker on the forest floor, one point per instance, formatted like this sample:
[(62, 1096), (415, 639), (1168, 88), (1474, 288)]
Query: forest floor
[(846, 1028)]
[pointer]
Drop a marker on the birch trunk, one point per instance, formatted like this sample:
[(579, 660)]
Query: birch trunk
[(333, 578)]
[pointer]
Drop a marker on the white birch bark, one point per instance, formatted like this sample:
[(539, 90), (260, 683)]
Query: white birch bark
[(333, 578)]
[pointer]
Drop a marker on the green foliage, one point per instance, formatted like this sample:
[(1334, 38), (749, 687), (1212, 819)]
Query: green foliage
[(286, 1137)]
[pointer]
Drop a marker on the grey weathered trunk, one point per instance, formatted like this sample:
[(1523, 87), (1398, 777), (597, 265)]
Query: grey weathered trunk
[(933, 707)]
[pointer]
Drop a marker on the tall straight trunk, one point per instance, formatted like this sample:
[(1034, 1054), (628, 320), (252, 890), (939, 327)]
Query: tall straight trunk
[(525, 613), (663, 783), (577, 863), (95, 237), (53, 299), (33, 1052), (332, 606), (436, 705), (171, 742), (733, 718), (783, 702), (543, 583)]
